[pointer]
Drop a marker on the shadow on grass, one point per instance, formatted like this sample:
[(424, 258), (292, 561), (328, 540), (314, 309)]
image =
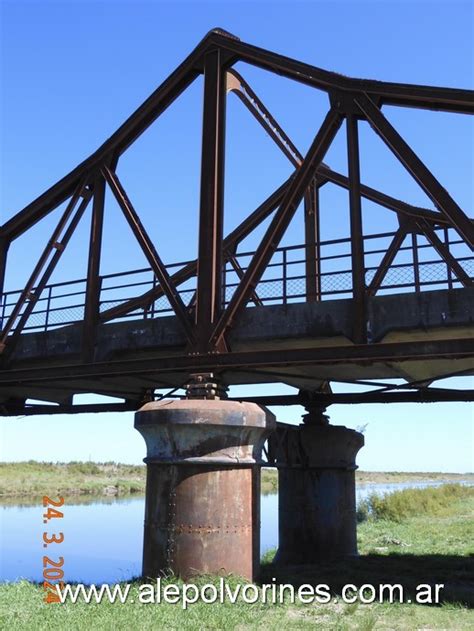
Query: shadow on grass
[(408, 570)]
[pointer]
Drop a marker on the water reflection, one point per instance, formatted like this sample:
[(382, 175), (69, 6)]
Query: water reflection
[(102, 540)]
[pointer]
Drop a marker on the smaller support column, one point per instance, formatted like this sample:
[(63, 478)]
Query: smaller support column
[(317, 512), (202, 512)]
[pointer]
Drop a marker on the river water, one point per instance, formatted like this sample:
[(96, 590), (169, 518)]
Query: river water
[(103, 537)]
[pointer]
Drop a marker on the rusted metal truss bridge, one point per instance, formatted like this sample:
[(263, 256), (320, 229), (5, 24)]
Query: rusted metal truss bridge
[(205, 304)]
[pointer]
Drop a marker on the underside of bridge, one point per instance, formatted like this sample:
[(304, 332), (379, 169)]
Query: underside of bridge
[(361, 309)]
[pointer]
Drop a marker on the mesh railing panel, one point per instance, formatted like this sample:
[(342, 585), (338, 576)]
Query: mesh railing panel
[(280, 283)]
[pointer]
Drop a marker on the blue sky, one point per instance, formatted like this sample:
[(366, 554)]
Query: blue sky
[(73, 71)]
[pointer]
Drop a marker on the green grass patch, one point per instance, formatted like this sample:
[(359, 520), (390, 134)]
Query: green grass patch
[(269, 481), (33, 479), (22, 609)]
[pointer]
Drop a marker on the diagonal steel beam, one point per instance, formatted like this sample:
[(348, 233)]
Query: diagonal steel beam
[(240, 273), (386, 261), (444, 253), (9, 342), (280, 222), (238, 86), (382, 199), (150, 252), (54, 247), (188, 271), (439, 195)]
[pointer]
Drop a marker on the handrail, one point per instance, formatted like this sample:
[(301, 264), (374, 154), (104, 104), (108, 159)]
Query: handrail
[(58, 307)]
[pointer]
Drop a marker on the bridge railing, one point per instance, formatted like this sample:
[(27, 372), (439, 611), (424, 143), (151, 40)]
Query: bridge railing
[(417, 267)]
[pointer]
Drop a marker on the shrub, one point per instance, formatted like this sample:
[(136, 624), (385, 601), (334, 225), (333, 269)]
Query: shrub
[(269, 481), (399, 505), (363, 511)]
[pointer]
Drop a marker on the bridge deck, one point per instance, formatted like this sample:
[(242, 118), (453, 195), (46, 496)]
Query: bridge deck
[(423, 331)]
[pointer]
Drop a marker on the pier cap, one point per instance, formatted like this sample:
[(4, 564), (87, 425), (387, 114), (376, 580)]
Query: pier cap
[(204, 431)]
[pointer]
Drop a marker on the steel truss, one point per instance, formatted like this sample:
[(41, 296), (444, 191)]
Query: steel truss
[(207, 318)]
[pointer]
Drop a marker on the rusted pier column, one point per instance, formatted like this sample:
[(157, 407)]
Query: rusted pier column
[(317, 514), (202, 512)]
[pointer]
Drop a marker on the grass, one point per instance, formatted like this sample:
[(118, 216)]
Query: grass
[(22, 609), (418, 549), (399, 505), (30, 479), (33, 479), (422, 548)]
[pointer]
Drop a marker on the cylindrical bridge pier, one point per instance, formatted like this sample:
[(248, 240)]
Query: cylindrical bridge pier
[(317, 512), (202, 512)]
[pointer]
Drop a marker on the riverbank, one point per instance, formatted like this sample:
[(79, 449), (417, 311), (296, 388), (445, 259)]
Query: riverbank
[(424, 549), (34, 479)]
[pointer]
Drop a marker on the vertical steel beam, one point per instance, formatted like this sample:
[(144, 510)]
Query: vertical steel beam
[(209, 300), (416, 262), (449, 272), (91, 310), (357, 239), (312, 243), (4, 245)]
